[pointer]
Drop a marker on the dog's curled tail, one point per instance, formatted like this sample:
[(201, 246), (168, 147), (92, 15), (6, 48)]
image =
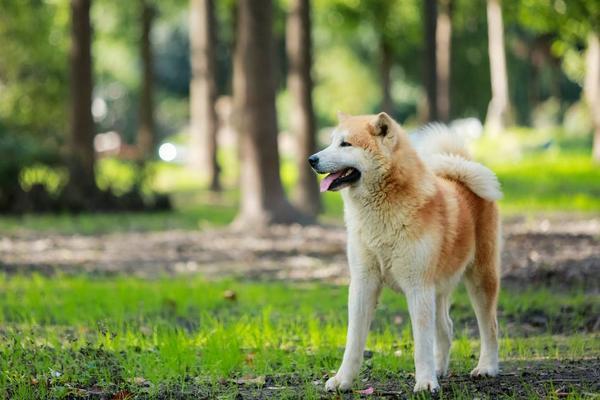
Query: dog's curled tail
[(446, 155)]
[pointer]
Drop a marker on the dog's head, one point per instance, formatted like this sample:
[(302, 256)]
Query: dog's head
[(362, 150)]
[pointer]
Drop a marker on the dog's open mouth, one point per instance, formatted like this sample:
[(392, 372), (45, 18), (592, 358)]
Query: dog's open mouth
[(340, 179)]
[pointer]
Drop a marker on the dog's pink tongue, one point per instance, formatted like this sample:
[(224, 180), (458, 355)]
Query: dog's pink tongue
[(328, 180)]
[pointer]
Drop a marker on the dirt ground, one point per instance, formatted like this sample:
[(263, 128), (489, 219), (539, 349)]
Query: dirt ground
[(559, 250), (525, 379)]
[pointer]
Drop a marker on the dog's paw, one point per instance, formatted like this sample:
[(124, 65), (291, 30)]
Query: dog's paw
[(338, 383), (440, 373), (484, 370), (427, 384)]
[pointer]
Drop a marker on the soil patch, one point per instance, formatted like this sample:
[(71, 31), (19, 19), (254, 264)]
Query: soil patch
[(518, 379), (558, 252)]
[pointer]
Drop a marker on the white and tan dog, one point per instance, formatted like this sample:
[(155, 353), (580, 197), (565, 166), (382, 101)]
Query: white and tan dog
[(419, 218)]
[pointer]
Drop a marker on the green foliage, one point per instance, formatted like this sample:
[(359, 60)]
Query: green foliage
[(566, 24), (349, 36), (19, 154), (33, 78), (53, 179)]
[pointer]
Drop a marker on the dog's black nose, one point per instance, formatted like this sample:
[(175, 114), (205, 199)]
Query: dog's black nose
[(313, 161)]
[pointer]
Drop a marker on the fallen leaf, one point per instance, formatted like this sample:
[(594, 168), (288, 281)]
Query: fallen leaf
[(368, 391), (140, 381), (249, 359), (247, 380), (229, 295), (122, 395)]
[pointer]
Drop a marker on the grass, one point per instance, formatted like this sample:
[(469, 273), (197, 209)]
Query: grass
[(64, 334), (542, 171)]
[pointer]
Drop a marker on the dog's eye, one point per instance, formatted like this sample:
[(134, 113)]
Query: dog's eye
[(345, 144)]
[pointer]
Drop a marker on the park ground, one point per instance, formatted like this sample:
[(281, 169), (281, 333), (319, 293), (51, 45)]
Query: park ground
[(175, 305)]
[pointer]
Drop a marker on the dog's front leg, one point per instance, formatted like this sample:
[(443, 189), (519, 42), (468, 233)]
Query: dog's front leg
[(362, 300), (421, 306)]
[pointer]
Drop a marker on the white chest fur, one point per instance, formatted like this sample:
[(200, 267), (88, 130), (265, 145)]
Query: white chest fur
[(386, 245)]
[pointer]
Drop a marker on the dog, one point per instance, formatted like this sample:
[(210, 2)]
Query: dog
[(420, 215)]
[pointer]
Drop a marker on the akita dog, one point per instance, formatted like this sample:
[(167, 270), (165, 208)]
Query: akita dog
[(419, 218)]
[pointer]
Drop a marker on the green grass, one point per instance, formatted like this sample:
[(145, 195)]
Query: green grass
[(67, 333), (561, 178)]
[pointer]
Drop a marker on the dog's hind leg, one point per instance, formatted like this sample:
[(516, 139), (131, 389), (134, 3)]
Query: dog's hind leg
[(482, 281), (443, 333)]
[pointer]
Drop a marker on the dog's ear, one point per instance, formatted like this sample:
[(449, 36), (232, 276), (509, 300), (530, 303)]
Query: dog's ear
[(342, 116), (382, 124)]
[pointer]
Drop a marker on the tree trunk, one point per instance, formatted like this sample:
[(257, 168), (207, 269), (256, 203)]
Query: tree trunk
[(81, 146), (443, 57), (591, 89), (300, 84), (263, 200), (430, 59), (498, 115), (146, 134), (385, 68), (203, 91)]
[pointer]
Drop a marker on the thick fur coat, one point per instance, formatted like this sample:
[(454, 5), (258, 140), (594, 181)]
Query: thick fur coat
[(419, 218)]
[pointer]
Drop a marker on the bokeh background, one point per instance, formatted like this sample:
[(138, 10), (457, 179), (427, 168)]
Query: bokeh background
[(132, 106)]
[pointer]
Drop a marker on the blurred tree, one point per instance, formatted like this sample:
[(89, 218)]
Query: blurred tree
[(388, 24), (561, 31), (592, 88), (443, 42), (81, 164), (263, 200), (430, 70), (302, 119), (498, 114), (203, 90), (146, 131)]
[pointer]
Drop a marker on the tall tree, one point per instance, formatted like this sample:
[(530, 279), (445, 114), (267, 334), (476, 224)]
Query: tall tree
[(592, 88), (443, 57), (300, 84), (385, 72), (203, 90), (263, 200), (430, 15), (146, 130), (498, 115), (81, 145)]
